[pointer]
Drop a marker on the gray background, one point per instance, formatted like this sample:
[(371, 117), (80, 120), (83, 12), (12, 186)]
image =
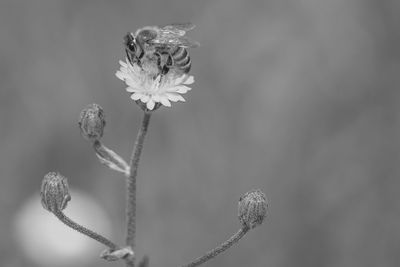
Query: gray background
[(297, 98)]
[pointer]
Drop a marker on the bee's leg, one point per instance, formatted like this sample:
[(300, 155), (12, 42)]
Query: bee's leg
[(128, 56), (158, 55), (132, 59), (162, 67), (165, 69), (169, 63), (170, 60)]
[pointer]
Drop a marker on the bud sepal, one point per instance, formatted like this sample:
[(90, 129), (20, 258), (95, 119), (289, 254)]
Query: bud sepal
[(121, 253)]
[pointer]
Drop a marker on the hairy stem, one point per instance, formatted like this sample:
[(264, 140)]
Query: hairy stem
[(221, 248), (60, 215), (131, 185)]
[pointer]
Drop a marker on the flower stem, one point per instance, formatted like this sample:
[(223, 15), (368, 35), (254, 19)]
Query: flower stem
[(131, 185), (221, 248), (62, 217)]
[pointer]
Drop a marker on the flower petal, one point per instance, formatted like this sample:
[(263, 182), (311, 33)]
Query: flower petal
[(156, 98), (144, 98), (150, 104), (131, 89), (164, 100), (120, 75), (134, 84), (135, 96), (180, 79), (189, 80), (123, 64), (182, 89), (174, 97)]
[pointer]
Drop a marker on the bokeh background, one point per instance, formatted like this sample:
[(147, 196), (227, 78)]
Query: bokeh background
[(298, 98)]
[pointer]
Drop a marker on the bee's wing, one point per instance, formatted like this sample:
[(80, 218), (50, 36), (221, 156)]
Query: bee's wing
[(173, 35), (179, 28), (182, 41)]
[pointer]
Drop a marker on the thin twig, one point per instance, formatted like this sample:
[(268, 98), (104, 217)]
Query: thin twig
[(131, 185), (60, 215), (221, 248)]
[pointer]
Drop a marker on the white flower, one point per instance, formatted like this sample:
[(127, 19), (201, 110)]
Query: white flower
[(149, 88)]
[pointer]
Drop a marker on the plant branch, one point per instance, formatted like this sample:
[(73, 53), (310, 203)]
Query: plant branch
[(221, 248), (62, 217), (109, 158), (131, 185)]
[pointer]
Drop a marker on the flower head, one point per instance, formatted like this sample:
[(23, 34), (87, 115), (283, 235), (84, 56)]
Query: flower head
[(54, 192), (252, 208), (92, 122), (147, 86)]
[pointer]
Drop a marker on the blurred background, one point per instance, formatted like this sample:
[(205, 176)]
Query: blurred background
[(298, 98)]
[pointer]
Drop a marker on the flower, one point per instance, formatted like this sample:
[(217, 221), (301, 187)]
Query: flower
[(252, 208), (149, 87)]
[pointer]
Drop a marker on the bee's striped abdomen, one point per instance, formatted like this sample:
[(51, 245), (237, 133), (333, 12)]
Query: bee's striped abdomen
[(181, 58), (187, 66)]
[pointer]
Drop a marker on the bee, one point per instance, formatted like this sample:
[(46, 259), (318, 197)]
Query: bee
[(166, 44)]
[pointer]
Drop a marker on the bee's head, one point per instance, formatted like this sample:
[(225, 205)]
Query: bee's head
[(129, 41), (146, 34)]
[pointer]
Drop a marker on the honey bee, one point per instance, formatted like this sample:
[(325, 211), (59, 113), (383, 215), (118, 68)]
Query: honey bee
[(167, 44)]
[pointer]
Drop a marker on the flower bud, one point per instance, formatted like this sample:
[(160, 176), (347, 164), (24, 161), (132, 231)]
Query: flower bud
[(54, 192), (252, 208), (92, 122)]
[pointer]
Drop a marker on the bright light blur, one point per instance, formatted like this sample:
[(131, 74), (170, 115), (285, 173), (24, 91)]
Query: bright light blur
[(48, 242)]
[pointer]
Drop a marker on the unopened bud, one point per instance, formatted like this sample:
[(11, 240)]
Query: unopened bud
[(54, 192), (252, 208), (92, 122)]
